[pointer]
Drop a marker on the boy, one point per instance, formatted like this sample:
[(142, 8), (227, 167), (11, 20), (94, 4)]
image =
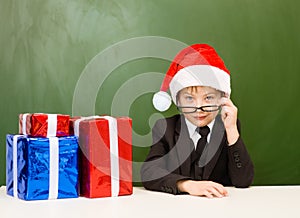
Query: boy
[(200, 151)]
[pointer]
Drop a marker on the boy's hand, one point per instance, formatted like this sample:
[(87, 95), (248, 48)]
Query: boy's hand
[(229, 117), (202, 188)]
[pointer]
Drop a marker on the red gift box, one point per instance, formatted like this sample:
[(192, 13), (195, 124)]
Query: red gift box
[(44, 125), (106, 156), (72, 123)]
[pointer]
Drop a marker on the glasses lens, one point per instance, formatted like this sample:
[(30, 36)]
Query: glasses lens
[(210, 108), (187, 109)]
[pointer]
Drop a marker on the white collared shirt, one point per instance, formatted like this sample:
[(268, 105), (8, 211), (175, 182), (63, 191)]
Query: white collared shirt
[(194, 135)]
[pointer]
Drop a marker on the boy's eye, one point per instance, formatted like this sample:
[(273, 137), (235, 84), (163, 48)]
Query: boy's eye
[(188, 98), (209, 98)]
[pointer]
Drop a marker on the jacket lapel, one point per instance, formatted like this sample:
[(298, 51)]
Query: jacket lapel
[(184, 146)]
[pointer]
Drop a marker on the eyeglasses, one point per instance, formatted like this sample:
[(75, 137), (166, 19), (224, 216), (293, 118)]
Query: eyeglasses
[(206, 108)]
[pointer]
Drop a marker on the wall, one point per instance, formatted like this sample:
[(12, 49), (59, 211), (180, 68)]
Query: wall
[(46, 46)]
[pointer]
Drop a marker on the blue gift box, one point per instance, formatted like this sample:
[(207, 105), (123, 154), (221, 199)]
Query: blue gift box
[(45, 168)]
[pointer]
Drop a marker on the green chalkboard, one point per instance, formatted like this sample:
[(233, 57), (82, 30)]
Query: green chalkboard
[(81, 57)]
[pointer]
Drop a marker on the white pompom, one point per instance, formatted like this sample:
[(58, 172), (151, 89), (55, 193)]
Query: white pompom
[(161, 101)]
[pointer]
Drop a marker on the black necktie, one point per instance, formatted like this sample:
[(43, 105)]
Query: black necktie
[(197, 171), (203, 131)]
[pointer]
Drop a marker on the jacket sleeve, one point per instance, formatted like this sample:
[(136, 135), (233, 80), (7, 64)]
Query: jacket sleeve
[(240, 166), (157, 172)]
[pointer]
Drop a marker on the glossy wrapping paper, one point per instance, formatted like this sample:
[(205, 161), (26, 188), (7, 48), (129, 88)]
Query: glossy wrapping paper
[(96, 159), (33, 170), (37, 125)]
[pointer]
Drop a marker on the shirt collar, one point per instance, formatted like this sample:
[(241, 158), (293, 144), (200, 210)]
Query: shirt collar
[(191, 127)]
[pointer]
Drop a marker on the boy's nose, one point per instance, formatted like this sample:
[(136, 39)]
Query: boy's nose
[(199, 103)]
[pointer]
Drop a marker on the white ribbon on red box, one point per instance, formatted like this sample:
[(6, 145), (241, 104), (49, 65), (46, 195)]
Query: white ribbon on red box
[(114, 150), (52, 125), (24, 117)]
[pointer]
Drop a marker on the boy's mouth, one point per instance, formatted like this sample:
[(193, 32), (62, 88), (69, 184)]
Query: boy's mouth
[(201, 117)]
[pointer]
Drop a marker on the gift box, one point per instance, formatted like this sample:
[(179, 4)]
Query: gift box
[(41, 168), (105, 156), (44, 125), (78, 118)]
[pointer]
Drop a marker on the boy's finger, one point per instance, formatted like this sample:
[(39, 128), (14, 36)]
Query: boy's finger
[(216, 192), (221, 189), (226, 102)]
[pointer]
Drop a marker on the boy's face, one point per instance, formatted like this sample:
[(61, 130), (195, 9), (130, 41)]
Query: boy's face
[(198, 96)]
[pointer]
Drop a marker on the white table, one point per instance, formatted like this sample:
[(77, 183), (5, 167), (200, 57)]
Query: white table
[(254, 202)]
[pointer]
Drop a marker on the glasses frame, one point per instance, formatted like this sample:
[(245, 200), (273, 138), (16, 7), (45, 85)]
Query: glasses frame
[(202, 108)]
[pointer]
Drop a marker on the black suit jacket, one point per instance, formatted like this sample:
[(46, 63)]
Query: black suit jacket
[(169, 159)]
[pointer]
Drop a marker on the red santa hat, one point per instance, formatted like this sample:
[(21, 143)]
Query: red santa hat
[(196, 65)]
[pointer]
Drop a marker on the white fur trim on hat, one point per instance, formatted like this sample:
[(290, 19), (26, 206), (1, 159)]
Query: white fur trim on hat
[(161, 101), (200, 75)]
